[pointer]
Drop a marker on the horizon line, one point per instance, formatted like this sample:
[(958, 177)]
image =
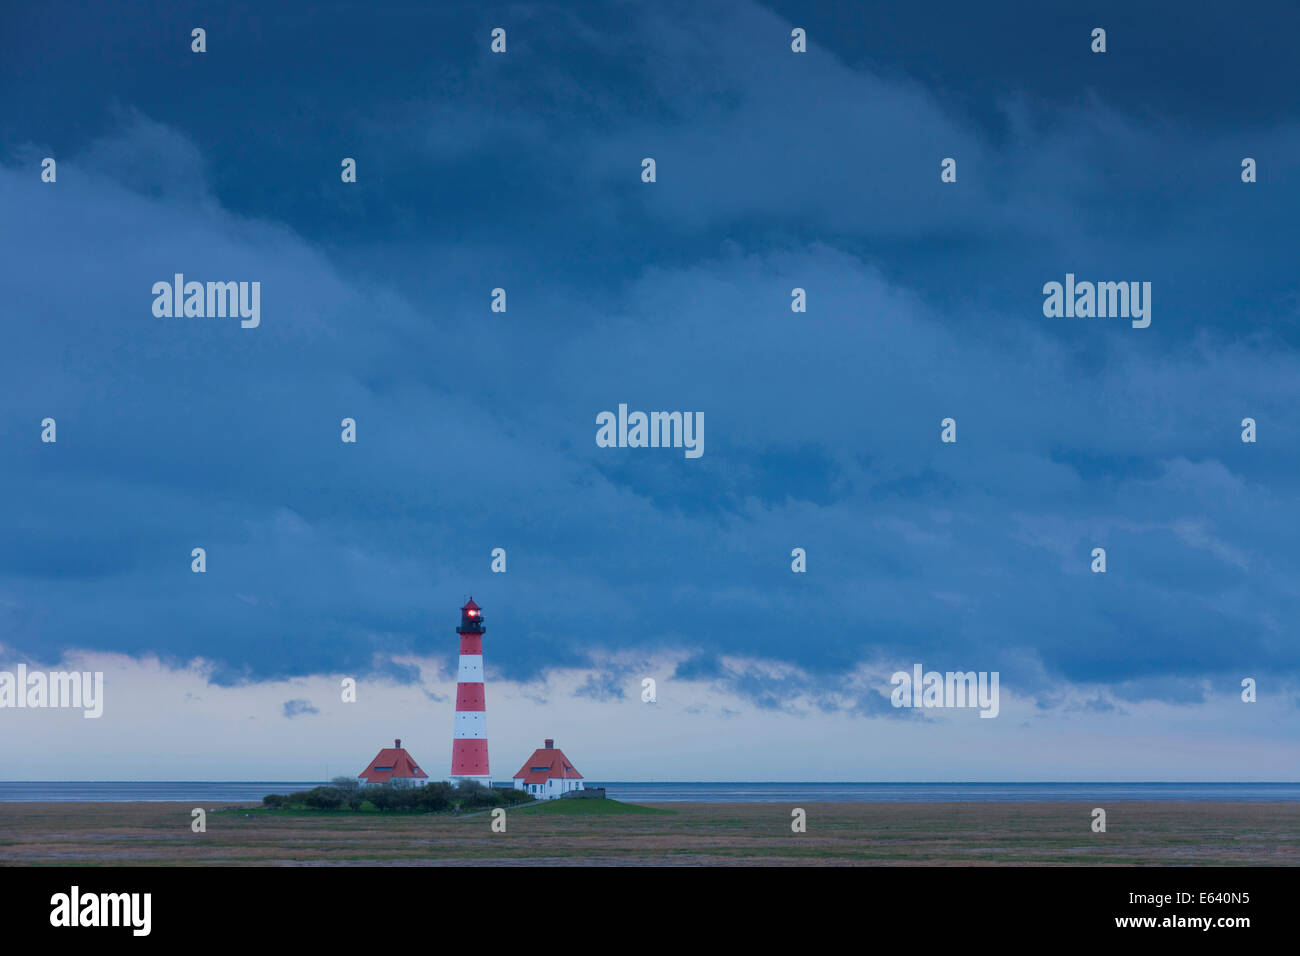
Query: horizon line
[(772, 782)]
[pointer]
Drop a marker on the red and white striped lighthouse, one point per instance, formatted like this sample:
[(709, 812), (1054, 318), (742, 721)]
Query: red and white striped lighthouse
[(469, 748)]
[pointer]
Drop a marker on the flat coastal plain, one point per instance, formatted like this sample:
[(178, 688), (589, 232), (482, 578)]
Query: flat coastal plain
[(609, 833)]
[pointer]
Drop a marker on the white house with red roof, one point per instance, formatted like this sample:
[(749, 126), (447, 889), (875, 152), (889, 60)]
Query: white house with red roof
[(548, 773), (393, 765)]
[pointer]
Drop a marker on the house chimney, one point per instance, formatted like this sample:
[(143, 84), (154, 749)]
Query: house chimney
[(398, 743), (550, 744)]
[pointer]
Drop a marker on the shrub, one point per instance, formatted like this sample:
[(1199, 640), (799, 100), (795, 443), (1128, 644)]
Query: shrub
[(434, 797), (323, 798), (477, 797), (386, 798)]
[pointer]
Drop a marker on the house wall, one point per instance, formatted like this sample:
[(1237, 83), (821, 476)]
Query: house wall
[(551, 789)]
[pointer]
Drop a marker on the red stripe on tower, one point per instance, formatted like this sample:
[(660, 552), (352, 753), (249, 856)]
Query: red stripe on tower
[(469, 748), (470, 697)]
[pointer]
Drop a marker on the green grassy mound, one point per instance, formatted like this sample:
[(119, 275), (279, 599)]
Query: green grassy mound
[(590, 808)]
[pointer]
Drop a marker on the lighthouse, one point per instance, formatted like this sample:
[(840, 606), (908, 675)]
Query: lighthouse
[(469, 748)]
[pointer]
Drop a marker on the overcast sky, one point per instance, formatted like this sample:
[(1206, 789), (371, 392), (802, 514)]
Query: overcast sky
[(476, 429)]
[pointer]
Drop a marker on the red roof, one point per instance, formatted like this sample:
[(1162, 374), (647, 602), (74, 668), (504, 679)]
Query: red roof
[(545, 763), (393, 763), (471, 606)]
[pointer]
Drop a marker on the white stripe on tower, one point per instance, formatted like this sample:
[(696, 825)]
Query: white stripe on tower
[(471, 669), (469, 749)]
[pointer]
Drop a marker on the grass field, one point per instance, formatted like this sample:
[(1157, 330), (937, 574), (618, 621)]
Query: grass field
[(612, 833)]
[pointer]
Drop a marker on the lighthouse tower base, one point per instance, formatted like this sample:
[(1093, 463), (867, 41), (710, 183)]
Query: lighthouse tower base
[(485, 781)]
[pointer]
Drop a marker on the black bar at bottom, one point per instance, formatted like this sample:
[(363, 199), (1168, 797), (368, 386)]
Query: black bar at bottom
[(493, 906)]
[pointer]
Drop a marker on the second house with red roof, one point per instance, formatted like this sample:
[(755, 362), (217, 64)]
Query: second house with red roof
[(548, 774), (394, 765)]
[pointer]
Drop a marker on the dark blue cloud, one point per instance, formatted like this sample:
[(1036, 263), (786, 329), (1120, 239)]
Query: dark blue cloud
[(602, 687), (476, 429)]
